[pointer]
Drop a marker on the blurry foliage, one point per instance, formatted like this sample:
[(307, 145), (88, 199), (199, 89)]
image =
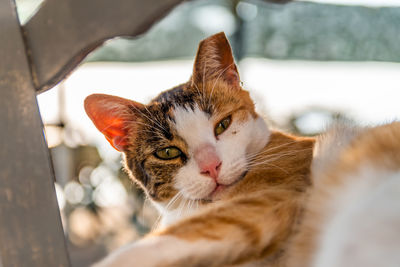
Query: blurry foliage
[(176, 36), (297, 30), (310, 31)]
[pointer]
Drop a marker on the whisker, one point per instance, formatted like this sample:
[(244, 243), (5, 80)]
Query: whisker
[(215, 83), (201, 94), (270, 164), (169, 204), (263, 156), (190, 188), (129, 122), (173, 200), (150, 119), (204, 79), (236, 166), (272, 149), (279, 155)]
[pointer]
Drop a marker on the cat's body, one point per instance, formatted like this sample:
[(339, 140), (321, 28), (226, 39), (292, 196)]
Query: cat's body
[(231, 191), (352, 215), (250, 223)]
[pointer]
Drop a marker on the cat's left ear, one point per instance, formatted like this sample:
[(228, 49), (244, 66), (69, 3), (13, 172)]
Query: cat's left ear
[(214, 60), (114, 117)]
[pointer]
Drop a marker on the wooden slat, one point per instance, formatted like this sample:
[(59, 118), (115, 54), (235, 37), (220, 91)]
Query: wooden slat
[(62, 33), (30, 227)]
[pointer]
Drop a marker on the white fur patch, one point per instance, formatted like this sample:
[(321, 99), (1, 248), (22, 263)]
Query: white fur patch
[(232, 147), (160, 251), (364, 230), (194, 126), (329, 146), (180, 209)]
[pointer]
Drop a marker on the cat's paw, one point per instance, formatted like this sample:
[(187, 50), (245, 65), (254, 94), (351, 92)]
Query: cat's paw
[(149, 252)]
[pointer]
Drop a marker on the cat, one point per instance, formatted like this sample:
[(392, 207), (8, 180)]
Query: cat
[(234, 192), (229, 188)]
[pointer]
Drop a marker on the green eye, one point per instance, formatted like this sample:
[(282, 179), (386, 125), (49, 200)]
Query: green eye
[(168, 153), (222, 126)]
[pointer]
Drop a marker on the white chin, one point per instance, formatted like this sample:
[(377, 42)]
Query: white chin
[(201, 192)]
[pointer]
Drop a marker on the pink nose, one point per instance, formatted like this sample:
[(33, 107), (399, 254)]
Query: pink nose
[(208, 160)]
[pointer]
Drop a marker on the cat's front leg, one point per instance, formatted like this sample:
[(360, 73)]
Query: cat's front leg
[(161, 250), (250, 228)]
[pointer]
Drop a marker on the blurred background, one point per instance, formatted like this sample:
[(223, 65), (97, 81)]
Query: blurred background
[(306, 65)]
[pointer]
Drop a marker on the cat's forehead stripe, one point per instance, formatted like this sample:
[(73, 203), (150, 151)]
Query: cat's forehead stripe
[(176, 96), (185, 96)]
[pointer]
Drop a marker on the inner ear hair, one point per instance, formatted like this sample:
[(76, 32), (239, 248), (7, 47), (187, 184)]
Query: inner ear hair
[(110, 115), (214, 60)]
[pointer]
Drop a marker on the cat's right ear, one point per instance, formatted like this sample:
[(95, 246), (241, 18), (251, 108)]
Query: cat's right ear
[(113, 116), (214, 60)]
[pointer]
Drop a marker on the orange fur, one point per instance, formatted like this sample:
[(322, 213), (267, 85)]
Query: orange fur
[(214, 60), (276, 213), (260, 210)]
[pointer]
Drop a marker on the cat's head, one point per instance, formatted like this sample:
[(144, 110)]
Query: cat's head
[(193, 140)]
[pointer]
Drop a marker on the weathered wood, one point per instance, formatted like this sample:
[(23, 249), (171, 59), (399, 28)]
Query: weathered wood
[(62, 33), (30, 227)]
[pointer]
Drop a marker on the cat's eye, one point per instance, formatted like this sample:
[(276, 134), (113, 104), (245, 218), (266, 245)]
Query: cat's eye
[(222, 125), (168, 153)]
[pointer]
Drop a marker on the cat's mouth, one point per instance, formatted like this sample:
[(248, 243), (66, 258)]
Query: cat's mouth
[(216, 194)]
